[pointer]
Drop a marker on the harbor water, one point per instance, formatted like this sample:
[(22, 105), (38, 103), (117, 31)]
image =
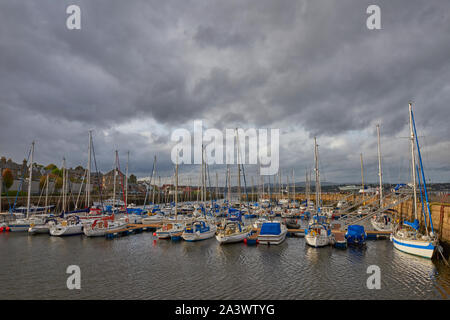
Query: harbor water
[(142, 267)]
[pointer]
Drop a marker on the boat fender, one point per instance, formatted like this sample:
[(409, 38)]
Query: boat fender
[(7, 229), (154, 234), (1, 229)]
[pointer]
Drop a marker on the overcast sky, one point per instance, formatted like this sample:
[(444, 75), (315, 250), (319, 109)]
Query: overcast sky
[(137, 70)]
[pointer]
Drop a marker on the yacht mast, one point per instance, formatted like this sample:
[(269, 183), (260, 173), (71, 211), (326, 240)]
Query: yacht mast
[(114, 188), (64, 185), (176, 189), (239, 168), (46, 193), (362, 176), (316, 169), (306, 188), (293, 182), (126, 179), (153, 178), (30, 180), (279, 185), (201, 198), (88, 183), (380, 174), (217, 186), (413, 162)]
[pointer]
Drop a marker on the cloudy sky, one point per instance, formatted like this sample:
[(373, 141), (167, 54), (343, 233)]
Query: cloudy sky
[(137, 70)]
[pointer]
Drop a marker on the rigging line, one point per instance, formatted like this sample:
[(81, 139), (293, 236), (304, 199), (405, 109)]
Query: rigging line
[(421, 200), (81, 187), (121, 182), (20, 185), (150, 183), (209, 182), (422, 172), (97, 173)]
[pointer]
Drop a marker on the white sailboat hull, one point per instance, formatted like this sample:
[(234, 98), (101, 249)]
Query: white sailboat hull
[(20, 227), (68, 230), (232, 238), (196, 236), (152, 220), (167, 234), (99, 232), (317, 240), (39, 229), (416, 247)]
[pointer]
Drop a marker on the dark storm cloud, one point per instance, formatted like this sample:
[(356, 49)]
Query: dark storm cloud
[(309, 66)]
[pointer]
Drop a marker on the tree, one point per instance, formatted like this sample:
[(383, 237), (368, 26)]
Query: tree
[(57, 172), (8, 178), (42, 182), (51, 166), (58, 183)]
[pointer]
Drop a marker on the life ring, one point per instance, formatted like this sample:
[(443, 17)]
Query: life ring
[(313, 233)]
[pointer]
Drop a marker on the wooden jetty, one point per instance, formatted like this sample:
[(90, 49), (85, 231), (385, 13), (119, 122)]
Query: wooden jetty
[(132, 228), (138, 228), (371, 235)]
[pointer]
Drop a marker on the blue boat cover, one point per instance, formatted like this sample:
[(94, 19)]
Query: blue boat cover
[(355, 234), (270, 228), (414, 225), (355, 230), (134, 210)]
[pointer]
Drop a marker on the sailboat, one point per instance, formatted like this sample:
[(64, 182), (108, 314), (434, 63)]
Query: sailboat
[(74, 224), (199, 230), (406, 236), (381, 221), (169, 229), (99, 227), (233, 230), (24, 224), (318, 233)]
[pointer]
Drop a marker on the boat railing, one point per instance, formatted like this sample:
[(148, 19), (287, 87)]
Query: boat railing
[(368, 216)]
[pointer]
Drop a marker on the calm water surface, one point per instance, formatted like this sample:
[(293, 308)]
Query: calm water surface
[(141, 267)]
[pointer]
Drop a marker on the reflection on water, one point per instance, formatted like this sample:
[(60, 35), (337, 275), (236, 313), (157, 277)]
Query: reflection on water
[(141, 267)]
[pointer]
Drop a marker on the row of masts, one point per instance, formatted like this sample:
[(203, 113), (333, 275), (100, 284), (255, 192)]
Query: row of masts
[(204, 175)]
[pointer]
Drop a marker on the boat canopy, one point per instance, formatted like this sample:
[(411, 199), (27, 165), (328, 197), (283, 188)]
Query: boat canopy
[(137, 211), (355, 230), (270, 228), (320, 219), (355, 234), (414, 225)]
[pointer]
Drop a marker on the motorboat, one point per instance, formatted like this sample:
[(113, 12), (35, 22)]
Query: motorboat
[(272, 233)]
